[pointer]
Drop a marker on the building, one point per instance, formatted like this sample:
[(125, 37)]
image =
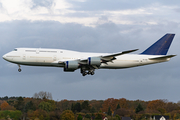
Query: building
[(160, 117)]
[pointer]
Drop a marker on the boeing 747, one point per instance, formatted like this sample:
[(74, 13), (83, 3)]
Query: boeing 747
[(88, 62)]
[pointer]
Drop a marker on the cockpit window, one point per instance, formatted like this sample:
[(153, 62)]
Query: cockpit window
[(15, 49)]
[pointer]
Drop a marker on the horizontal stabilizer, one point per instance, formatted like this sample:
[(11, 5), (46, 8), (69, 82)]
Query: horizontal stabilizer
[(162, 58)]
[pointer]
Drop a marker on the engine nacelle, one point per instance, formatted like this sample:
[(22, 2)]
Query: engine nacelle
[(71, 66), (94, 61)]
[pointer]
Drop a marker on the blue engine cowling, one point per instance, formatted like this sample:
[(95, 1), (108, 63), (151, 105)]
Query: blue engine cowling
[(71, 66), (94, 61)]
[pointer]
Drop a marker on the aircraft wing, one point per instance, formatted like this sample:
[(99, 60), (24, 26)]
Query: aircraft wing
[(104, 58), (120, 53), (111, 57)]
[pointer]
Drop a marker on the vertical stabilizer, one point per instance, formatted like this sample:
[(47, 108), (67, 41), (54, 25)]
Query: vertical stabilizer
[(160, 47)]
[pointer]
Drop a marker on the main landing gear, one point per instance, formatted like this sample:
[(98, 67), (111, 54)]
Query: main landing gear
[(19, 68), (89, 72)]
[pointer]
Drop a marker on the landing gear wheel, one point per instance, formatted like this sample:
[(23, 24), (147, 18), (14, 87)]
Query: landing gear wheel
[(19, 70), (92, 73), (84, 73)]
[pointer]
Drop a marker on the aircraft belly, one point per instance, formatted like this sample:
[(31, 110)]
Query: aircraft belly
[(119, 64)]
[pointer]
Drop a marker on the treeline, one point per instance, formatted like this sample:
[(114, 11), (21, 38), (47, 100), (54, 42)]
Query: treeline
[(42, 107)]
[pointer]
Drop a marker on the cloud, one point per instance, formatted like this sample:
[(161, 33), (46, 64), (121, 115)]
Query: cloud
[(43, 3), (76, 12)]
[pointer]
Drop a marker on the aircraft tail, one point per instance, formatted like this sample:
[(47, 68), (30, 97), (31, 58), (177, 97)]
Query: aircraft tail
[(160, 47)]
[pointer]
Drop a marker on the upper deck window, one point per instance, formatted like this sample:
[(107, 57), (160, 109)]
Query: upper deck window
[(15, 49), (30, 50), (48, 51)]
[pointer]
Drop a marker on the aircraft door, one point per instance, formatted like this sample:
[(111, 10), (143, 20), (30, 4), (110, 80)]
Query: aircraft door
[(24, 56), (54, 58), (37, 51)]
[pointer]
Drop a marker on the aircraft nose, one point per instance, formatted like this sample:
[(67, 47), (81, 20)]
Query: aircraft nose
[(4, 56)]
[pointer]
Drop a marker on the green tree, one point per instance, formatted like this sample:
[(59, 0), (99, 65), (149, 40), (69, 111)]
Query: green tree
[(109, 111), (85, 105), (15, 115), (47, 106), (67, 115), (93, 110), (118, 106), (19, 104), (72, 107), (139, 108), (29, 106), (79, 117), (77, 107), (87, 116), (98, 117)]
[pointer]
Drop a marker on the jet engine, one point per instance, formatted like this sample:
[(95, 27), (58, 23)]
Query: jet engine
[(94, 61), (71, 66)]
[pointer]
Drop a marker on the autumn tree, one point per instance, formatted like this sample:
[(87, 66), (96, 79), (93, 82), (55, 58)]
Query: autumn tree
[(122, 112), (170, 106), (123, 103), (158, 105), (97, 104), (4, 105), (67, 115), (110, 102)]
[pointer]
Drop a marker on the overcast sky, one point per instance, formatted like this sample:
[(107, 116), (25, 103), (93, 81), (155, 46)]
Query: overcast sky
[(90, 26)]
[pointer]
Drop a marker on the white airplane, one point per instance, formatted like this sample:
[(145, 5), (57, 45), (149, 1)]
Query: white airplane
[(88, 62)]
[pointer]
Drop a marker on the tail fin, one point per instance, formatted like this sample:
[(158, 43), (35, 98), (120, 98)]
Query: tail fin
[(161, 46)]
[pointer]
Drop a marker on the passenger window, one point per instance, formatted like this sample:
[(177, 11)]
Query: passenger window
[(15, 49)]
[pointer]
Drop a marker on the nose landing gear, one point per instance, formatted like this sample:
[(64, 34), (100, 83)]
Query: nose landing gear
[(19, 68)]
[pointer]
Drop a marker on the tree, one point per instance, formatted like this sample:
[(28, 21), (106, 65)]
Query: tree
[(110, 102), (79, 117), (139, 108), (43, 95), (118, 106), (4, 105), (29, 106), (98, 116), (19, 104), (72, 107), (122, 112), (158, 105), (123, 103), (87, 116), (85, 105), (93, 110), (109, 111), (46, 106), (77, 107), (67, 115)]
